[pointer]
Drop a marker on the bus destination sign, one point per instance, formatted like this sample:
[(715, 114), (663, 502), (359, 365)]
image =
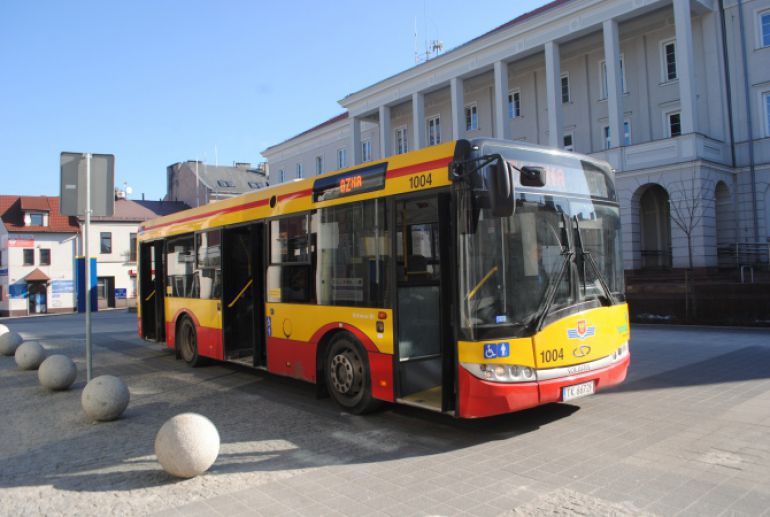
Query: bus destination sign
[(359, 181)]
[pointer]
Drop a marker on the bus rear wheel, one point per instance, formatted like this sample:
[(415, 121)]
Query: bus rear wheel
[(347, 376), (187, 342)]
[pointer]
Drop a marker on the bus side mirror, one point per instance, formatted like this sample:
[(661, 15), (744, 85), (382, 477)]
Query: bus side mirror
[(500, 188), (532, 177)]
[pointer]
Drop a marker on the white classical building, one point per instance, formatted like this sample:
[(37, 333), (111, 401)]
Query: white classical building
[(675, 94)]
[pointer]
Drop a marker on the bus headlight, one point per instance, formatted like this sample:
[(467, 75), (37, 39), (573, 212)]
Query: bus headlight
[(621, 352), (500, 372)]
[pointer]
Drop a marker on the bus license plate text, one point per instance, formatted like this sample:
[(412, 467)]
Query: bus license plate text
[(577, 391)]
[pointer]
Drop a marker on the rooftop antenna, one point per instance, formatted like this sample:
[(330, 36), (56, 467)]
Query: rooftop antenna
[(433, 47)]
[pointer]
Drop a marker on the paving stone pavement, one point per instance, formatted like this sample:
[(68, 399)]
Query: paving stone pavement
[(687, 434)]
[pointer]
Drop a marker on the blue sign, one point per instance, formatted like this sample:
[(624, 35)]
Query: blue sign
[(17, 291), (269, 326), (495, 350), (4, 271), (62, 286), (120, 294)]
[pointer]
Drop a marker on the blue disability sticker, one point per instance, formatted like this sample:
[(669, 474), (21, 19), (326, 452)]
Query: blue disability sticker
[(495, 350)]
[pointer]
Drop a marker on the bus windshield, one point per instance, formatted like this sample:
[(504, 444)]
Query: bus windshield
[(556, 251)]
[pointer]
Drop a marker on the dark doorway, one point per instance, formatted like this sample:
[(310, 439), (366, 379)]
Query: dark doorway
[(151, 291), (38, 300), (424, 348), (242, 303), (105, 289)]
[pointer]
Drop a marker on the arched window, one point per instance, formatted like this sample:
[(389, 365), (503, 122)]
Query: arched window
[(655, 228)]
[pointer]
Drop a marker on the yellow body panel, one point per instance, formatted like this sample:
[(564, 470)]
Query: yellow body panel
[(301, 322), (207, 312), (553, 347)]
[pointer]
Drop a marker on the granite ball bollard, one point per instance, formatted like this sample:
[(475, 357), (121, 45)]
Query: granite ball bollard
[(187, 445), (57, 372), (105, 398), (9, 341), (29, 355)]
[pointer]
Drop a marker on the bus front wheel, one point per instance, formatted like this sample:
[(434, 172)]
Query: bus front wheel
[(347, 376), (187, 342)]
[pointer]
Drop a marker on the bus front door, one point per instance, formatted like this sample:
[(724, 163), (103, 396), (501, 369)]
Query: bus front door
[(423, 346), (151, 291), (242, 303)]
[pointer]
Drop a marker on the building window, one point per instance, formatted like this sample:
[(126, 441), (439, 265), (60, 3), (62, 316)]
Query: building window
[(132, 247), (319, 165), (565, 88), (29, 257), (105, 242), (568, 141), (281, 176), (366, 151), (401, 142), (1, 293), (342, 158), (606, 136), (299, 170), (254, 185), (514, 104), (764, 23), (225, 183), (434, 130), (604, 84), (36, 219), (626, 132), (45, 257), (471, 118), (674, 121), (668, 60)]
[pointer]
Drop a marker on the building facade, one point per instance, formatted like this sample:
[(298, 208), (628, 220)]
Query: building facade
[(37, 250), (196, 183), (675, 94)]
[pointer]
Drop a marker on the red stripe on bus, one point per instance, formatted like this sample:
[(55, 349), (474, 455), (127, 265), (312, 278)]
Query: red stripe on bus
[(238, 208), (418, 167)]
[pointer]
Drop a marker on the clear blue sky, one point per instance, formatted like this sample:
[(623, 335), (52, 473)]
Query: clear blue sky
[(157, 82)]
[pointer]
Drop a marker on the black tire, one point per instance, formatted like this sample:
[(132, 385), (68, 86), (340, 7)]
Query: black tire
[(346, 372), (187, 342)]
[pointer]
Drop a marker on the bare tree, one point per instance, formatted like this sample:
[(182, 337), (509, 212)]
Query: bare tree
[(688, 198)]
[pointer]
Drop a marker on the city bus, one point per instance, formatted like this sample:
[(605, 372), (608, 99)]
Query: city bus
[(473, 278)]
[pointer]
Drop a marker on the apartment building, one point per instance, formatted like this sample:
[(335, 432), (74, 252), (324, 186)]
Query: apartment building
[(675, 94)]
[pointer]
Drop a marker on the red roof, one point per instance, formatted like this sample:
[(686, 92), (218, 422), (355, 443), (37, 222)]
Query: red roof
[(36, 276), (12, 214), (39, 203)]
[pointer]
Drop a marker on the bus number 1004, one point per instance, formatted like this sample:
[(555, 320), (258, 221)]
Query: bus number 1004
[(549, 356), (420, 181)]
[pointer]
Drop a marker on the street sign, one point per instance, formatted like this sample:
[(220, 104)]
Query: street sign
[(73, 184)]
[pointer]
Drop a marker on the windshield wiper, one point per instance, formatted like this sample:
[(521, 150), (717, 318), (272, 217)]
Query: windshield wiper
[(591, 262), (550, 292)]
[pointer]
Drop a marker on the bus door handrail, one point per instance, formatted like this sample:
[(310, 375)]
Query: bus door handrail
[(230, 305), (149, 296)]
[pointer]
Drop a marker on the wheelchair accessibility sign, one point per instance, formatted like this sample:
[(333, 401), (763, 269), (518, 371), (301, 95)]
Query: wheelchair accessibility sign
[(495, 350)]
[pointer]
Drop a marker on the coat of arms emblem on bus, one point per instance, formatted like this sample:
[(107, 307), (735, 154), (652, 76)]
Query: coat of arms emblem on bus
[(582, 331)]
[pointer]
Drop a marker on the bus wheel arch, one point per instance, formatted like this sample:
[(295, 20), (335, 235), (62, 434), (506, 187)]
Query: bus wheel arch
[(186, 340), (346, 372)]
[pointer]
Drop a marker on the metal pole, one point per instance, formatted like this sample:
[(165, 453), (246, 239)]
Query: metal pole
[(88, 268)]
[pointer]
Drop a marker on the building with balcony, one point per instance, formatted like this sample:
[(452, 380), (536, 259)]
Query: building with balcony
[(675, 94)]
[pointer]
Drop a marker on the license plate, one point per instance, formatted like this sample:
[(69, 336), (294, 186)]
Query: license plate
[(577, 391)]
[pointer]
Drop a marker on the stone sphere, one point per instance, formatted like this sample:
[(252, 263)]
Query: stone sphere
[(105, 398), (9, 341), (29, 355), (187, 445), (57, 372)]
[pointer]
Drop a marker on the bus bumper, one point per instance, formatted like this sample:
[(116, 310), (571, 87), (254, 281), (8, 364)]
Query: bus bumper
[(479, 398)]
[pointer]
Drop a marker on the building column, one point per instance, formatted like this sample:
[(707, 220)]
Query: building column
[(418, 120), (501, 99), (685, 64), (457, 95), (614, 82), (386, 148), (553, 91), (355, 140)]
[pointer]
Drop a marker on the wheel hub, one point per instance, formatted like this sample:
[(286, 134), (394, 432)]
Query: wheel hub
[(343, 373)]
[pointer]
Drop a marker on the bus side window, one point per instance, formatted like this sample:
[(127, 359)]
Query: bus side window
[(182, 281), (292, 264), (208, 246)]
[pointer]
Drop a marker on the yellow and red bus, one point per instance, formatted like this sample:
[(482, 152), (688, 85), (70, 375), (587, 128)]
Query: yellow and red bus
[(472, 278)]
